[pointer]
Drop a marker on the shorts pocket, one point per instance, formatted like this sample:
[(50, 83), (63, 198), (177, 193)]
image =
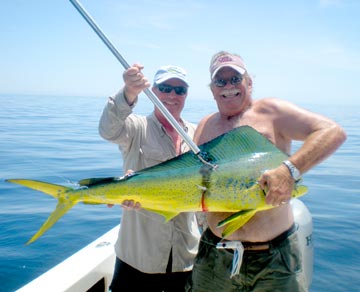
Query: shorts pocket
[(290, 254)]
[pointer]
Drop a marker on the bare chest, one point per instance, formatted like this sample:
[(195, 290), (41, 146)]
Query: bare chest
[(220, 125)]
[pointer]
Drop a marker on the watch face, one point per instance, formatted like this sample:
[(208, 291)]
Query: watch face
[(295, 173)]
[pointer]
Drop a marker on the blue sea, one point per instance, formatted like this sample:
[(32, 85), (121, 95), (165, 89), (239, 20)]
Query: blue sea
[(55, 139)]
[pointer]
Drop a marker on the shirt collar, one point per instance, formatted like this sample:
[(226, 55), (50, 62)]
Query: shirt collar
[(160, 126)]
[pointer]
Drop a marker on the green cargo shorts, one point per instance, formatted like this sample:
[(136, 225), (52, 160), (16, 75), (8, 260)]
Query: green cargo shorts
[(277, 268)]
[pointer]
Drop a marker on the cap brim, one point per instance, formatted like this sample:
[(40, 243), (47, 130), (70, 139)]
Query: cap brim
[(167, 77), (236, 68)]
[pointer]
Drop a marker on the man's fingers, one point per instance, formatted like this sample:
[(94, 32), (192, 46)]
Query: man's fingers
[(131, 205)]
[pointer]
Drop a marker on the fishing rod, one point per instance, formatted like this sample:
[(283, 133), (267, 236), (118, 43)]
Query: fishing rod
[(149, 94)]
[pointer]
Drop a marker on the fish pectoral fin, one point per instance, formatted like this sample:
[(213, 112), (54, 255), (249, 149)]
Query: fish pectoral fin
[(167, 214), (235, 221), (235, 216), (299, 190), (61, 208)]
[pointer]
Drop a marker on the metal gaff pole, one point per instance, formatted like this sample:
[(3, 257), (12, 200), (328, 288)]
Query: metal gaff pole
[(150, 95)]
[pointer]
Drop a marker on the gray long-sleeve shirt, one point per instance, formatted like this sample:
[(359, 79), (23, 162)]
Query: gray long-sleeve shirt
[(145, 241)]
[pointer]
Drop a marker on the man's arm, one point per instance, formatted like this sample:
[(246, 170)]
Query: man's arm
[(119, 106), (321, 137)]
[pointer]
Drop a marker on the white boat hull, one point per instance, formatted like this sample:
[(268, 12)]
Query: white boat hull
[(92, 266)]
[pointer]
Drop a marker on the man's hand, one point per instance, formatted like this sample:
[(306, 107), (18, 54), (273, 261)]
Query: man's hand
[(278, 185), (131, 205), (128, 204), (135, 82)]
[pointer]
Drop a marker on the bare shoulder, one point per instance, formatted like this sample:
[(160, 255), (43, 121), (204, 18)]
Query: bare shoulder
[(283, 110), (202, 133), (293, 121), (271, 105), (206, 121)]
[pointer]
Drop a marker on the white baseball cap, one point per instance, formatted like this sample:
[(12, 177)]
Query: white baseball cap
[(168, 72)]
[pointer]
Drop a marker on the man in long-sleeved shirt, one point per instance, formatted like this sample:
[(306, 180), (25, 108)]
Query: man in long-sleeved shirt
[(150, 254)]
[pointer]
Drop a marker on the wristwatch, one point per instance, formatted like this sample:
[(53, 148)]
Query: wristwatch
[(295, 173)]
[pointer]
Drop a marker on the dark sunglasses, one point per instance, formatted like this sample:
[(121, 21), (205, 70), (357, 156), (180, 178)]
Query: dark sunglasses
[(179, 90), (235, 80)]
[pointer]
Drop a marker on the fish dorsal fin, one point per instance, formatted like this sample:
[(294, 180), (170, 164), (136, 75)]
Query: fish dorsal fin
[(87, 182), (243, 140), (185, 160)]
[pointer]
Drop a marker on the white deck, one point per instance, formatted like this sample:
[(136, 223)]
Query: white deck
[(81, 271)]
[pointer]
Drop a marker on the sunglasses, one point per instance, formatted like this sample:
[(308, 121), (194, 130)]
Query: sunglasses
[(179, 90), (235, 80)]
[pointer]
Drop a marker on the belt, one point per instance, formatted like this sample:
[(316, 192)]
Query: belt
[(257, 246)]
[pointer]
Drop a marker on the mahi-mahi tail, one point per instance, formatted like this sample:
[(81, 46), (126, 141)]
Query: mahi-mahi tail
[(64, 203)]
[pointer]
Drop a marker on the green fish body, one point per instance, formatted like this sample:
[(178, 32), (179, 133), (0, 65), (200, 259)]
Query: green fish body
[(228, 183)]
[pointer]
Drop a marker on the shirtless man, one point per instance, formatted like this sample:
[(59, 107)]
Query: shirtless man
[(271, 260)]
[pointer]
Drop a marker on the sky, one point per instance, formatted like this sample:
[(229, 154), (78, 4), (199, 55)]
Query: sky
[(304, 51)]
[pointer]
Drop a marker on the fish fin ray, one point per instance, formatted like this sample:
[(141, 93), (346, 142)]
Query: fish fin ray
[(185, 160), (236, 221), (299, 190), (61, 208), (234, 217), (87, 182), (54, 190), (238, 142), (47, 188)]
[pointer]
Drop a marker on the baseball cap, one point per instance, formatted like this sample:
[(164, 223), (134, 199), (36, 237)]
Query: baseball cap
[(167, 72), (227, 60)]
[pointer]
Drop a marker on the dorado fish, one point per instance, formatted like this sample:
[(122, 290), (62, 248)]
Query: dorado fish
[(228, 182)]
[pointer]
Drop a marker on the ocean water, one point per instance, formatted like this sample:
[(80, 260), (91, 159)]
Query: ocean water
[(55, 139)]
